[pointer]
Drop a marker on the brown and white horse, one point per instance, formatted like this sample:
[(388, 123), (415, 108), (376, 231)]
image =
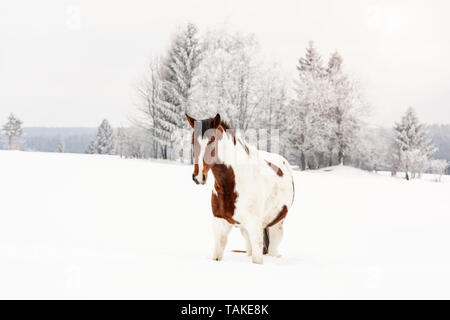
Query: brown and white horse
[(253, 189)]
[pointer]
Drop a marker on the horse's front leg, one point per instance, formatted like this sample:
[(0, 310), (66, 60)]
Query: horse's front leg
[(221, 229)]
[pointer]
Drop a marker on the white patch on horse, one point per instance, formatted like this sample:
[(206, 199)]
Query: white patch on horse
[(203, 143)]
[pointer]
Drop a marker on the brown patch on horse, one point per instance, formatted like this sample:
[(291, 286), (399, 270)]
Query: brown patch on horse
[(223, 203), (275, 168), (239, 251), (281, 215)]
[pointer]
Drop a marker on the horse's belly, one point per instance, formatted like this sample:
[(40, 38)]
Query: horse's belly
[(263, 198), (280, 196)]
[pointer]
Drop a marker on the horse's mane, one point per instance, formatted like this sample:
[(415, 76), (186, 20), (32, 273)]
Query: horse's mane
[(224, 124), (232, 132)]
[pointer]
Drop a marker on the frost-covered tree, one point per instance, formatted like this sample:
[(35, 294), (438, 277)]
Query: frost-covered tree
[(151, 116), (121, 142), (12, 131), (311, 63), (61, 146), (370, 149), (179, 67), (326, 114), (229, 79), (104, 141), (105, 138), (412, 146), (133, 142), (309, 125), (438, 167), (273, 113), (250, 92), (346, 109), (166, 89), (91, 148)]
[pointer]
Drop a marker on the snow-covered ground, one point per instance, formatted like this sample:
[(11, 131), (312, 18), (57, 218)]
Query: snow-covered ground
[(84, 226)]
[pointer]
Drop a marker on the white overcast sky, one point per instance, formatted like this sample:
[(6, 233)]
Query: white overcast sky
[(73, 63)]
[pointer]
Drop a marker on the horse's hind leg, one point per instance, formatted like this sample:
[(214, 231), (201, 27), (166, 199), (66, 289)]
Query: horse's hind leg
[(275, 236), (255, 233), (221, 229), (247, 241)]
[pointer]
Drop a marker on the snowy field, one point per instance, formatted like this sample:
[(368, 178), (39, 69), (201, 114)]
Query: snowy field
[(85, 226)]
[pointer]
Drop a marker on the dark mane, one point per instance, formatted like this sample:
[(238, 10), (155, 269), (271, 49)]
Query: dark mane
[(232, 132), (208, 124), (224, 125)]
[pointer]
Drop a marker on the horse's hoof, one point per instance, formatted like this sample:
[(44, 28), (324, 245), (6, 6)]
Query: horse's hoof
[(257, 260), (275, 255)]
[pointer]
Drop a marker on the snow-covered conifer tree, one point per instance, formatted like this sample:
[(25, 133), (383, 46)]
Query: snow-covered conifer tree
[(105, 138), (165, 92), (346, 109), (326, 112), (412, 146), (179, 68), (104, 141), (12, 130), (91, 148), (309, 126), (311, 63)]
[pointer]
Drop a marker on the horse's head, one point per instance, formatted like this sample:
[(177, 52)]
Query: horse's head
[(205, 138)]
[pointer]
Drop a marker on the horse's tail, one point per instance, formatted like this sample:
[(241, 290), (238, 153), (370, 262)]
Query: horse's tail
[(266, 241)]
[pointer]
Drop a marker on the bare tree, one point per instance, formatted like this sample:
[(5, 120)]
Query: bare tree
[(150, 94)]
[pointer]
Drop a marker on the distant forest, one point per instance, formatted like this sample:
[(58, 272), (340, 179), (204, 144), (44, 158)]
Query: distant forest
[(47, 139), (440, 135), (77, 139)]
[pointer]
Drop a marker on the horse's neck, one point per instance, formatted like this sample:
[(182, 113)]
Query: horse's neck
[(233, 150), (224, 168)]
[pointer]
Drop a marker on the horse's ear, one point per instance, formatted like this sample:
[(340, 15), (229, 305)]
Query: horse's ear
[(190, 120), (216, 121)]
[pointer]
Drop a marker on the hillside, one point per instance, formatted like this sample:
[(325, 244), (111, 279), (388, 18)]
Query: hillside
[(87, 226)]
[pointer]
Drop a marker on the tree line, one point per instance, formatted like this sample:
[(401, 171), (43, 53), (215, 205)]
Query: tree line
[(320, 117)]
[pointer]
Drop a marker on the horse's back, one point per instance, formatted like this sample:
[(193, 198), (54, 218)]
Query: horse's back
[(278, 161)]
